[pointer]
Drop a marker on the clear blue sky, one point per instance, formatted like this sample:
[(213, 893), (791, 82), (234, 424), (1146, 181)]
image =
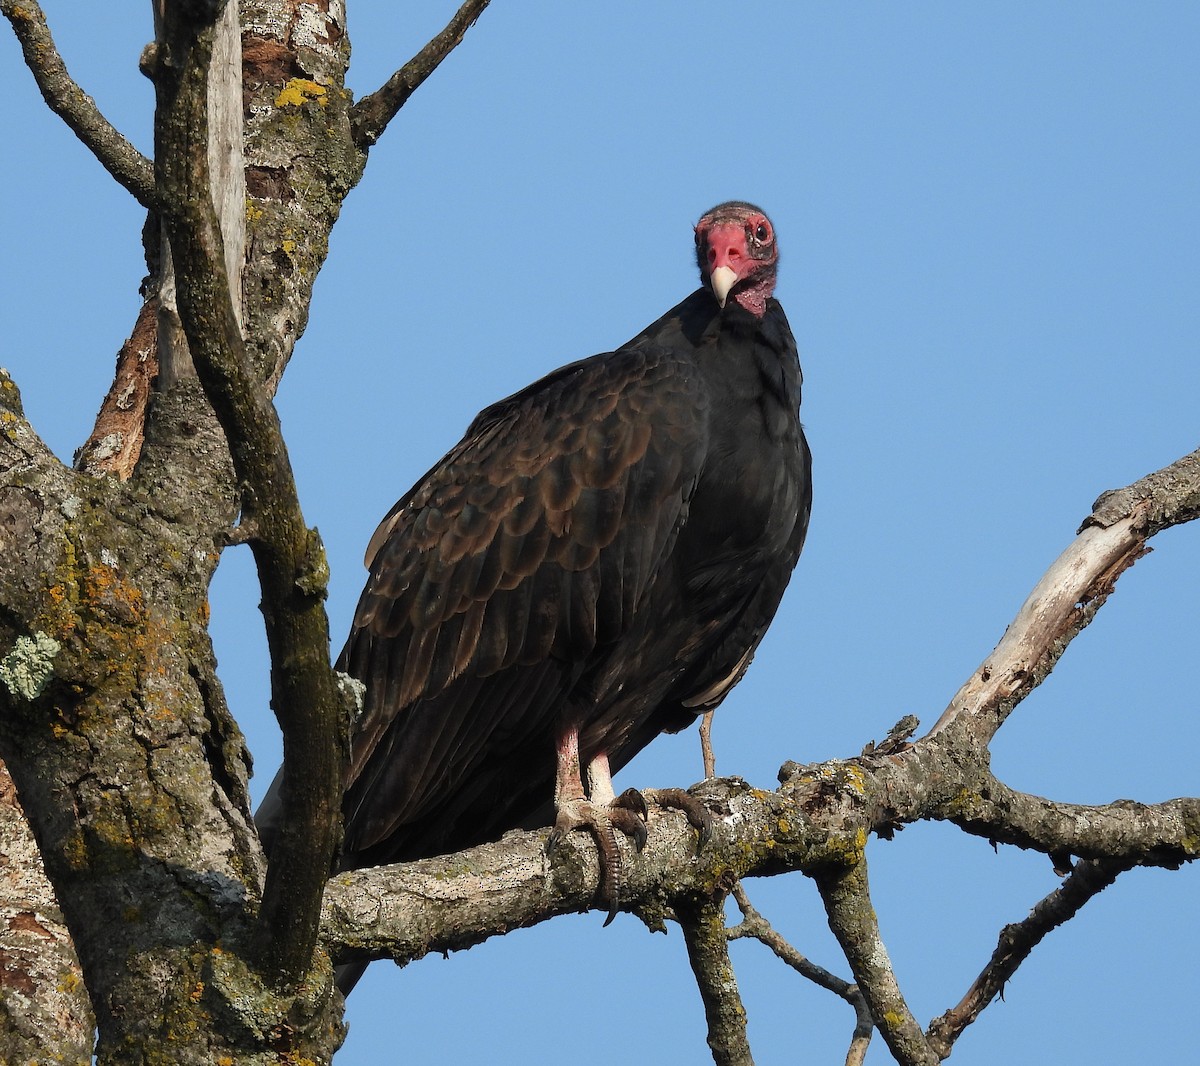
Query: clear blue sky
[(989, 222)]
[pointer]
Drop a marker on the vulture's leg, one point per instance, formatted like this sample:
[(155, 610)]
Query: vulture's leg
[(600, 813)]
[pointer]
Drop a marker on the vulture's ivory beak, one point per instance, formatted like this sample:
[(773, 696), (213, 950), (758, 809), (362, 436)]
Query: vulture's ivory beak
[(722, 280)]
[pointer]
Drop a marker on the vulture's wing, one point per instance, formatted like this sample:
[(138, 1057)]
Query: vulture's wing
[(523, 552)]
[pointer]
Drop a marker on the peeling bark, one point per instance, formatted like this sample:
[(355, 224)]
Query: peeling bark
[(115, 444), (226, 185)]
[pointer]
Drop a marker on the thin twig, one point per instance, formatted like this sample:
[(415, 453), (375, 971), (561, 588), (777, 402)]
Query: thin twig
[(703, 928), (754, 925), (371, 115), (78, 110), (706, 747), (1016, 942)]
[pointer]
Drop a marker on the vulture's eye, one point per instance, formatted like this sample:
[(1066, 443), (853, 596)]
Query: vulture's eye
[(762, 232)]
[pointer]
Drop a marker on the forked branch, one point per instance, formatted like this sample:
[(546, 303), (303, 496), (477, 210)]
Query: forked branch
[(754, 925), (852, 918)]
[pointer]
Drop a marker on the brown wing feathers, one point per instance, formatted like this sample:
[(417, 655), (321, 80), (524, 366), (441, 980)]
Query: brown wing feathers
[(519, 547)]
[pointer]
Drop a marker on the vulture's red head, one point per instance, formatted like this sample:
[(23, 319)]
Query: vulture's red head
[(737, 254)]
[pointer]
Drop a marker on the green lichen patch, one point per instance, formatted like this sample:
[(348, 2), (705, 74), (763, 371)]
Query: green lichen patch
[(26, 670)]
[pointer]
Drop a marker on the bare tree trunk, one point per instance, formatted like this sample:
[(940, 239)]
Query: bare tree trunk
[(114, 723)]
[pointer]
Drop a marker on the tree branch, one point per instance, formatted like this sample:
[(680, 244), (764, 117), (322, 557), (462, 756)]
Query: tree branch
[(814, 821), (1160, 834), (852, 918), (452, 902), (1070, 593), (1016, 942), (819, 817), (78, 110), (754, 925), (371, 115), (290, 558), (703, 925)]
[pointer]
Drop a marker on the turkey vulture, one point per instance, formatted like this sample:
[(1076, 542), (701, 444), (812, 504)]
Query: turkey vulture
[(593, 564)]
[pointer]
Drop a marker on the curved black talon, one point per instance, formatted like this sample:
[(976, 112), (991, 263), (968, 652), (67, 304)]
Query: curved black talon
[(631, 824), (629, 813), (631, 799)]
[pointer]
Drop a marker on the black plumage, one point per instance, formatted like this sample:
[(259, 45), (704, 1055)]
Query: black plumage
[(595, 561), (593, 564)]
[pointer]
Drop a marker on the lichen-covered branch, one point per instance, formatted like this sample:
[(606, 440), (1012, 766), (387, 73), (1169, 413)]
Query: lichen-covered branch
[(754, 925), (1017, 941), (289, 556), (1151, 834), (452, 902), (300, 162), (817, 819), (847, 900), (78, 110), (371, 115), (703, 925)]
